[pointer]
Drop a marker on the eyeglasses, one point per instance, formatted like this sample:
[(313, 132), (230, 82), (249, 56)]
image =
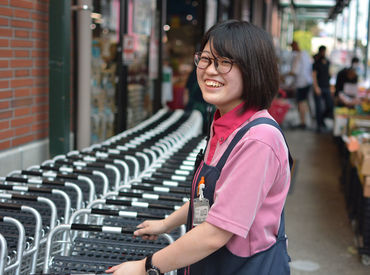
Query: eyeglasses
[(223, 65)]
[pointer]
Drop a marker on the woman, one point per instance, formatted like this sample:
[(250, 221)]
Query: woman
[(246, 175)]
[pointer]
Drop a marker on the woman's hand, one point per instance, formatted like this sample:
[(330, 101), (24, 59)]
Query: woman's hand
[(150, 229), (128, 268)]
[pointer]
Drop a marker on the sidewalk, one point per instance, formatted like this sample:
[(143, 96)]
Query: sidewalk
[(321, 240)]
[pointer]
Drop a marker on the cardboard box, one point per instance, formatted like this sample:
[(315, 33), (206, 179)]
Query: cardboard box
[(364, 159), (366, 187)]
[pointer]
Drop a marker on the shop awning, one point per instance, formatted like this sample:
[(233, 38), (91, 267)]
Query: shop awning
[(315, 9)]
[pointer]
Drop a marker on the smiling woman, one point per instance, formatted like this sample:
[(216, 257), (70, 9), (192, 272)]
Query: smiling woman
[(235, 220)]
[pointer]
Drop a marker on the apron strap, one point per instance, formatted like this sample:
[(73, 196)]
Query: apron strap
[(281, 232), (241, 133)]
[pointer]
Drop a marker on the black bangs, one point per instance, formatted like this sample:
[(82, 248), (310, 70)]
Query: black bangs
[(221, 46), (221, 41)]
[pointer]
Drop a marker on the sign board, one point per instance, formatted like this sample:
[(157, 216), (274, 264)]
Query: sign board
[(128, 49)]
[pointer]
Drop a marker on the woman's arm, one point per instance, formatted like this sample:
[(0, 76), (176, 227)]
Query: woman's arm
[(177, 218), (192, 247)]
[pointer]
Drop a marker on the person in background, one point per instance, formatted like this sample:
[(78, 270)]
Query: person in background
[(302, 72), (346, 78), (321, 85), (193, 99), (235, 218), (167, 85)]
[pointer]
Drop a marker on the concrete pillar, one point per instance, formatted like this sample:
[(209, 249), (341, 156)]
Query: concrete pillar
[(84, 35)]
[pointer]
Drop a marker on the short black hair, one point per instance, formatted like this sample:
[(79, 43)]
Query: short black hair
[(322, 48), (252, 49), (355, 60)]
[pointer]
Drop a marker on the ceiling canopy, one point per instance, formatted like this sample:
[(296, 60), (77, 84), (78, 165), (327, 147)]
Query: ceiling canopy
[(315, 9)]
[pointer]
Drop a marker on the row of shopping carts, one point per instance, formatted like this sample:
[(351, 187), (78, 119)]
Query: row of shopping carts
[(76, 213)]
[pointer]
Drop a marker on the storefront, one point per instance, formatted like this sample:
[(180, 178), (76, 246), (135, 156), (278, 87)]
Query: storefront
[(124, 64)]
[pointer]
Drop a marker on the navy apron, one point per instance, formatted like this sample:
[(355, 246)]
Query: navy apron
[(273, 261)]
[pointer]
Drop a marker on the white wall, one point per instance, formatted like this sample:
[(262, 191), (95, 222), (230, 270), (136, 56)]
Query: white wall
[(24, 156)]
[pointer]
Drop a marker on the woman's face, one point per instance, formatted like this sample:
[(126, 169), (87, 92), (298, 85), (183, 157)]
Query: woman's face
[(222, 90)]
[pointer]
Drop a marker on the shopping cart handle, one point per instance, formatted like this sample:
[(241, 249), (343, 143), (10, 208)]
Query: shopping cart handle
[(65, 162), (67, 176), (102, 228), (85, 153), (121, 202), (15, 179), (149, 196), (170, 183), (47, 167), (130, 194), (39, 189), (108, 161), (4, 205), (124, 213), (152, 181), (6, 187), (25, 188), (108, 212), (82, 171), (53, 182), (87, 227), (24, 197), (31, 173)]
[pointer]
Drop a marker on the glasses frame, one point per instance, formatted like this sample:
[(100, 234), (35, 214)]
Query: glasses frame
[(214, 60)]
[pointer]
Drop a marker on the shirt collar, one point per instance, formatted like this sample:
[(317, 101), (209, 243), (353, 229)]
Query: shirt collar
[(224, 125)]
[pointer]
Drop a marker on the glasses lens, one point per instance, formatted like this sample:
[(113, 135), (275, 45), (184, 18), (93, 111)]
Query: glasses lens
[(196, 59), (201, 62), (224, 66)]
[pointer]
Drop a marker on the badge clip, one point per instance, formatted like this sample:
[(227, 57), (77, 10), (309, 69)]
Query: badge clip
[(201, 186)]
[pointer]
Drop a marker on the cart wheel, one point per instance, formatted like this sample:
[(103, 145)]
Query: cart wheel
[(365, 259)]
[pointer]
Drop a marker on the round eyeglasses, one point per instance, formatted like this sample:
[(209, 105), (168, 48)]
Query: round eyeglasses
[(223, 65)]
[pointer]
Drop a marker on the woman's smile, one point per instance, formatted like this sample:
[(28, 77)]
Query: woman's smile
[(213, 83)]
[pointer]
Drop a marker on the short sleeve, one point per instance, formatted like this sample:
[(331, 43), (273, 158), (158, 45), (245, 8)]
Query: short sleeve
[(245, 180), (314, 66)]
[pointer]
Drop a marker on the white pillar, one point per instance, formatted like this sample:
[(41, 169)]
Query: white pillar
[(84, 37)]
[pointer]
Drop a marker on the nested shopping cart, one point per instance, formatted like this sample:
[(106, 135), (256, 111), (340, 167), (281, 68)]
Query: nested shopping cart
[(104, 247), (142, 173)]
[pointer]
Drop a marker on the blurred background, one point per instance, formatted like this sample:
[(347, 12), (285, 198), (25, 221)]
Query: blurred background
[(77, 72)]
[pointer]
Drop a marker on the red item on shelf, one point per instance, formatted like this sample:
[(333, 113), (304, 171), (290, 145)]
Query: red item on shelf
[(278, 109), (177, 102)]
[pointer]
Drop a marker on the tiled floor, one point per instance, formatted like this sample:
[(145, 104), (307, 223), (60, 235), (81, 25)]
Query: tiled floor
[(321, 240)]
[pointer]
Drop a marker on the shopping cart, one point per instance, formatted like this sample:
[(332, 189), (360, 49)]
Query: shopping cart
[(106, 246), (279, 107), (23, 257), (142, 173)]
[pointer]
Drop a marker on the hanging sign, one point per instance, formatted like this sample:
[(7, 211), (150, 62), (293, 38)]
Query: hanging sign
[(128, 49)]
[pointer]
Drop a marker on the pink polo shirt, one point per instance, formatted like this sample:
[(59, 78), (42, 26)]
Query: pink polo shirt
[(252, 188)]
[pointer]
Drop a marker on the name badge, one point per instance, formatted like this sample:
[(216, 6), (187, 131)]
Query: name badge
[(201, 208), (201, 204)]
